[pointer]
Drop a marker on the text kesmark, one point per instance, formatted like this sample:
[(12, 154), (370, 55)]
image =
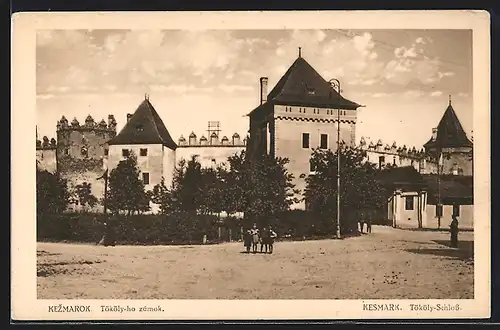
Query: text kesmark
[(381, 307)]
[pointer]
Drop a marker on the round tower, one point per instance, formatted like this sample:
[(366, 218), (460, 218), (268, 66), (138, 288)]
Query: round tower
[(82, 151)]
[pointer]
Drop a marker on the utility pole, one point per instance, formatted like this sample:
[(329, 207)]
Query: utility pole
[(105, 199), (335, 83)]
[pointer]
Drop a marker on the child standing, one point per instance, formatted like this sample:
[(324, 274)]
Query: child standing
[(255, 237), (247, 240), (272, 236), (264, 239)]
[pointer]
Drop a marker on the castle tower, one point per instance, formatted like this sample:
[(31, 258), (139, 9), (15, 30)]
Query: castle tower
[(300, 113), (147, 138), (449, 140), (81, 152), (46, 159)]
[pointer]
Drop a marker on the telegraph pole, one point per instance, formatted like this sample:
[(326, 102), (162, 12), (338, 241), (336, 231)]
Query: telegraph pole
[(335, 83), (105, 199)]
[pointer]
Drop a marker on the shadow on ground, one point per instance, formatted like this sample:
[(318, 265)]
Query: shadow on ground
[(464, 251)]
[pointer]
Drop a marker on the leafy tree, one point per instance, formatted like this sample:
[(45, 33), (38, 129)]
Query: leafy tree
[(126, 190), (212, 188), (359, 190), (260, 186), (236, 183), (52, 194), (162, 196), (84, 194), (186, 191)]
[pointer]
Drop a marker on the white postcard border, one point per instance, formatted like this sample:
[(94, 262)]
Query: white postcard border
[(25, 305)]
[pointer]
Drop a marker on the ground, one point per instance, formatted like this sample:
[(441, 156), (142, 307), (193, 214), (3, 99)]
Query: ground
[(386, 264)]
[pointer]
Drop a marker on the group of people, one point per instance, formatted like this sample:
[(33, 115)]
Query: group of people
[(265, 237)]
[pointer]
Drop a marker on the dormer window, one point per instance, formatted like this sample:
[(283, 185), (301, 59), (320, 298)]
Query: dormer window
[(139, 128), (311, 91)]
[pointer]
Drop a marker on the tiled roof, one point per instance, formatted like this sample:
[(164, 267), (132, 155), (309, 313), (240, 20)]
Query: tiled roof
[(144, 127), (451, 187), (450, 133), (302, 85), (401, 176)]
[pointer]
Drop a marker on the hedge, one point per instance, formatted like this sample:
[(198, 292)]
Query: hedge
[(185, 228), (181, 228)]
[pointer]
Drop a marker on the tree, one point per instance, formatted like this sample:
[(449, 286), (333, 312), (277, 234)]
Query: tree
[(126, 191), (212, 189), (84, 194), (261, 186), (162, 196), (236, 183), (52, 194), (186, 191), (359, 190)]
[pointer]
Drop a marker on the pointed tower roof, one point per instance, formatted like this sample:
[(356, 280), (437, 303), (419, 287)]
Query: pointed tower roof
[(450, 133), (303, 85), (144, 127)]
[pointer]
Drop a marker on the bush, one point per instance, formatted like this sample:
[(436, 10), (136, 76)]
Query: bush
[(178, 228)]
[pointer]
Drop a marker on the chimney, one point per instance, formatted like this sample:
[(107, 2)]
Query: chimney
[(434, 134), (129, 115), (263, 90)]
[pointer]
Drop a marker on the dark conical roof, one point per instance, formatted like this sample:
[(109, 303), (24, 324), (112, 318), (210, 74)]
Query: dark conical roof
[(144, 127), (450, 133), (303, 85)]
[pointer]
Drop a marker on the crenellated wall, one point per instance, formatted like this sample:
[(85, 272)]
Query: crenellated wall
[(385, 155), (210, 151), (46, 157)]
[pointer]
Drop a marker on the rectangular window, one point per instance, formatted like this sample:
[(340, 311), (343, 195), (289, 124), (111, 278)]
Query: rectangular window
[(394, 160), (106, 152), (145, 178), (66, 152), (456, 210), (305, 140), (125, 152), (312, 168), (143, 152), (323, 143), (409, 203)]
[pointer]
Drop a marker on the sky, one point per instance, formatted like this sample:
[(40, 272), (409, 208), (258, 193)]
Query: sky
[(402, 77)]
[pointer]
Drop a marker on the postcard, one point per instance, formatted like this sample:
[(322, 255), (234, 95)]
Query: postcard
[(285, 165)]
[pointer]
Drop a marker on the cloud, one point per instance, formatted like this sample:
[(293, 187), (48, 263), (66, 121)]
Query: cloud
[(436, 93), (45, 96), (413, 93), (379, 95), (463, 94), (413, 63), (445, 74), (235, 88), (180, 89)]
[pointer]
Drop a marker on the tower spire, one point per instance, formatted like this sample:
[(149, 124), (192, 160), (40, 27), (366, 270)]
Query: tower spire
[(449, 99), (300, 51)]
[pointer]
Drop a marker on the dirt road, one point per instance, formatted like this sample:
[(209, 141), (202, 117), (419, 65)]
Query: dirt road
[(387, 264)]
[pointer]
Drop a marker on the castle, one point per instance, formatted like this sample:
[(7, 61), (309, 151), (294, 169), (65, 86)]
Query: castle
[(83, 153), (300, 113)]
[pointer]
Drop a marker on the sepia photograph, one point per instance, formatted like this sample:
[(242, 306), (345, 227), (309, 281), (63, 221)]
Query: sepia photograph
[(263, 163)]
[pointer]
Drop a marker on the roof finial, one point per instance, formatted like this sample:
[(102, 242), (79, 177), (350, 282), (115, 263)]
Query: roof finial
[(449, 99), (146, 96), (300, 51)]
